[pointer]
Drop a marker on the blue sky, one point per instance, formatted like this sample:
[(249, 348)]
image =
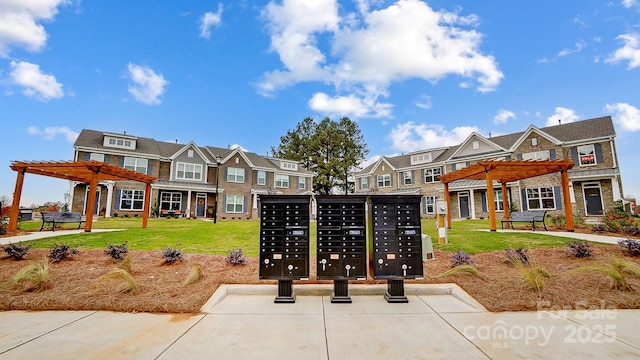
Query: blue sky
[(413, 74)]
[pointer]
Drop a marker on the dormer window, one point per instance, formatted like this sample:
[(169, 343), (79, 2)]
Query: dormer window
[(421, 158), (123, 143), (475, 145), (289, 166), (534, 141)]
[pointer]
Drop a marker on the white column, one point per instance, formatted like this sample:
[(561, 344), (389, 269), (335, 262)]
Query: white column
[(188, 204), (473, 204), (109, 185), (572, 194), (615, 187)]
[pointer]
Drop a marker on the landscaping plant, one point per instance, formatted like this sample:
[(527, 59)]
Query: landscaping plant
[(630, 247), (463, 268), (616, 270), (236, 257), (117, 252), (171, 255), (16, 251), (460, 258), (516, 255), (129, 283), (532, 271), (194, 275), (579, 248), (36, 274), (61, 252)]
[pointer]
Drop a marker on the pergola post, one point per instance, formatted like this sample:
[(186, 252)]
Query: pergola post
[(568, 210), (147, 200), (15, 205), (491, 201), (505, 202), (91, 202), (448, 200)]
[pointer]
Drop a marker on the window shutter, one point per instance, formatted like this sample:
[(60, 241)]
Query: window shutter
[(224, 204), (225, 174), (266, 178), (255, 177), (484, 201), (599, 157), (523, 200), (121, 161), (424, 181), (149, 167), (244, 205), (467, 163), (424, 204), (519, 156), (552, 154), (118, 194), (244, 175), (289, 181), (106, 158), (574, 155), (508, 157), (391, 180), (557, 193)]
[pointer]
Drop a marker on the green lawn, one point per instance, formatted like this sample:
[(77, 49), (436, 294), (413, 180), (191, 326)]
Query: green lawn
[(195, 236)]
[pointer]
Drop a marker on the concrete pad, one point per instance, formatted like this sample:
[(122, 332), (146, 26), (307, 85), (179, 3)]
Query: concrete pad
[(104, 335), (375, 305), (530, 335), (263, 304), (619, 324), (395, 336), (448, 303), (20, 327), (255, 336)]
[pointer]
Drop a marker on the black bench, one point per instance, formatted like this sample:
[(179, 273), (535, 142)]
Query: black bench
[(55, 217), (532, 217)]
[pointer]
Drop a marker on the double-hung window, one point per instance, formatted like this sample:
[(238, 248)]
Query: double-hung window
[(131, 199), (383, 180), (235, 175), (136, 164), (432, 175), (540, 198), (282, 181), (302, 182), (587, 155), (187, 171), (261, 178), (430, 204), (364, 183), (407, 177), (235, 204)]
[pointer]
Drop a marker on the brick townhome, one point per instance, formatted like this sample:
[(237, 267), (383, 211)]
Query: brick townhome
[(595, 182), (187, 175)]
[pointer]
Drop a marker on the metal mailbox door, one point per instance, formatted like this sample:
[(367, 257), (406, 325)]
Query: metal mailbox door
[(284, 237), (341, 236), (396, 240)]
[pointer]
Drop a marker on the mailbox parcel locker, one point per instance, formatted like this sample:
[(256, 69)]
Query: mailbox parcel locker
[(341, 242), (284, 241), (396, 252)]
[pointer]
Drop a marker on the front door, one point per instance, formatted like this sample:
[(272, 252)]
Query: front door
[(201, 204), (593, 199), (463, 201), (96, 206)]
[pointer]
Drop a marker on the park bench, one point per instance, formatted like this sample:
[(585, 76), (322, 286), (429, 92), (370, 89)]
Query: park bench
[(55, 217), (532, 217)]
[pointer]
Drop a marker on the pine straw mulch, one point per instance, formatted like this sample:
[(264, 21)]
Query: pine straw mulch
[(73, 286)]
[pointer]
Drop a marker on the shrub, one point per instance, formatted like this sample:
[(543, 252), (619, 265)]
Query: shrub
[(117, 252), (558, 220), (616, 219), (171, 255), (464, 268), (126, 263), (126, 215), (600, 228), (61, 252), (630, 247), (115, 214), (120, 274), (36, 274), (532, 272), (3, 228), (631, 230), (236, 257), (579, 248), (616, 270), (16, 251), (516, 255), (194, 275), (460, 258)]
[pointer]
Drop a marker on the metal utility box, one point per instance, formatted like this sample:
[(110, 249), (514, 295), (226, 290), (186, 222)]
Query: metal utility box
[(396, 236), (284, 241)]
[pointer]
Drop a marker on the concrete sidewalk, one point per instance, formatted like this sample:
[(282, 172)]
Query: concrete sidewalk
[(36, 235), (242, 322)]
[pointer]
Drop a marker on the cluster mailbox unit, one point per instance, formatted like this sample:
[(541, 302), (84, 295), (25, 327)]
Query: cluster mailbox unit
[(396, 251), (341, 242), (284, 241)]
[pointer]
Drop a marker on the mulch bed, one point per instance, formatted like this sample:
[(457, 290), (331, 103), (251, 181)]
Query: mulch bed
[(73, 283)]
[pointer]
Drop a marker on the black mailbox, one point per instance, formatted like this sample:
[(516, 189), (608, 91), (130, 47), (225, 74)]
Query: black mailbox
[(396, 251), (284, 241)]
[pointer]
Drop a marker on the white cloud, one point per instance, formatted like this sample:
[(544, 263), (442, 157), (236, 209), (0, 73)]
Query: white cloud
[(208, 20), (235, 146), (350, 106), (625, 115), (578, 47), (374, 48), (629, 3), (147, 86), (36, 84), (410, 137), (49, 133), (19, 23), (629, 52), (424, 102), (503, 116), (564, 115)]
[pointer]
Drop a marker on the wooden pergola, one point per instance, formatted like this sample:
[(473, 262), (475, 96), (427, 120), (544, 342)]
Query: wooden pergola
[(504, 171), (88, 172)]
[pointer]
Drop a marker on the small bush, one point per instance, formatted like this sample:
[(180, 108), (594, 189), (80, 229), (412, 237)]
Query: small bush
[(61, 252), (126, 215), (516, 255), (631, 230), (117, 252), (600, 228), (616, 271), (126, 263), (3, 228), (236, 257), (129, 283), (579, 248), (630, 247), (171, 255), (532, 272), (115, 214), (464, 268), (194, 275), (37, 275), (17, 251), (460, 258)]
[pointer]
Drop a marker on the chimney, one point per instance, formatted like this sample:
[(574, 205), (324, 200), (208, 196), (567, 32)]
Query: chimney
[(176, 141), (559, 121), (125, 133), (489, 135)]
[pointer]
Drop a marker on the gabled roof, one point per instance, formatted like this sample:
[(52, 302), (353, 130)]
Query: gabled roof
[(94, 139), (191, 145), (597, 128), (529, 131), (474, 135), (371, 168)]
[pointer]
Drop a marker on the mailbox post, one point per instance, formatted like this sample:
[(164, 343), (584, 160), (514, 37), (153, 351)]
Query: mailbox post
[(342, 242), (284, 241), (396, 250)]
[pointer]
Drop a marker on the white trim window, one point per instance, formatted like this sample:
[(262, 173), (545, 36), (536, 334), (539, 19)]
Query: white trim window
[(430, 204), (289, 166), (587, 155), (432, 175), (170, 200), (96, 157), (261, 178), (132, 200), (282, 181), (136, 164), (498, 204), (302, 182), (120, 143), (235, 204), (364, 183), (537, 155), (541, 198), (407, 177), (235, 175), (383, 180), (187, 171)]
